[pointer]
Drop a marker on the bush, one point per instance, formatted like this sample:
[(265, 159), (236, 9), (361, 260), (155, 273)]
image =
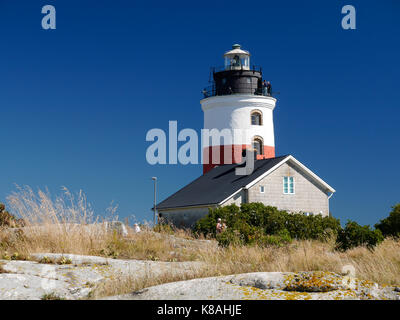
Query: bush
[(390, 226), (163, 228), (255, 223), (279, 239), (7, 219), (354, 235), (207, 225), (230, 237)]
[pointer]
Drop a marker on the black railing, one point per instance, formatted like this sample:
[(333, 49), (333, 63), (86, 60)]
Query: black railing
[(236, 68), (211, 91)]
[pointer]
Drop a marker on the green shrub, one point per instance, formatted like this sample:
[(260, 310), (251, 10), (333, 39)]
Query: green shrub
[(279, 239), (255, 223), (354, 235), (390, 226), (207, 225), (314, 227), (252, 236), (231, 237)]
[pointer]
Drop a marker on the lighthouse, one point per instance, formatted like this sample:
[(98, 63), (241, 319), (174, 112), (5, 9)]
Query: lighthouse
[(239, 103)]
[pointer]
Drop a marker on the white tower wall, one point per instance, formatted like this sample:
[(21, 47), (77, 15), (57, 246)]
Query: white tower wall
[(234, 112)]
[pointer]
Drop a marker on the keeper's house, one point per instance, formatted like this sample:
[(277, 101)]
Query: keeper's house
[(282, 182)]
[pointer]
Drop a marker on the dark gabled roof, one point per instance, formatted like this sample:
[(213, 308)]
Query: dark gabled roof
[(216, 185)]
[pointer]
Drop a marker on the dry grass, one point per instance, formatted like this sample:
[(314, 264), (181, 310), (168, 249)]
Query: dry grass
[(65, 224), (381, 266), (68, 225), (124, 285)]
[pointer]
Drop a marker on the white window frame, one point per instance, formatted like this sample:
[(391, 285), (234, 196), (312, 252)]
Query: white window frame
[(262, 189), (283, 185)]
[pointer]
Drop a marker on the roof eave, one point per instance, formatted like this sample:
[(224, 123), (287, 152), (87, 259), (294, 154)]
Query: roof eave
[(189, 206)]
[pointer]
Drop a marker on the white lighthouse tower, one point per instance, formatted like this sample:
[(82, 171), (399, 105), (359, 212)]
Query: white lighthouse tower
[(237, 101)]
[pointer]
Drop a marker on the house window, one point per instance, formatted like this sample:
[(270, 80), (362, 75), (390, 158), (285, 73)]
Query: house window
[(288, 185), (256, 118), (258, 146), (262, 189)]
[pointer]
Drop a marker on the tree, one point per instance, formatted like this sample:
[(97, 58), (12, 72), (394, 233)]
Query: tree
[(354, 235), (390, 226)]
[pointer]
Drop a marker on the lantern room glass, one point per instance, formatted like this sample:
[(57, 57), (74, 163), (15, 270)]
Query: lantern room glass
[(237, 62)]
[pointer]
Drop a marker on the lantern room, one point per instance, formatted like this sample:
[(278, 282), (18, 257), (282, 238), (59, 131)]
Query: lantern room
[(237, 59)]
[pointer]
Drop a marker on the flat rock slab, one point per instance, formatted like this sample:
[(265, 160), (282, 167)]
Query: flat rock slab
[(75, 280), (267, 286), (32, 280)]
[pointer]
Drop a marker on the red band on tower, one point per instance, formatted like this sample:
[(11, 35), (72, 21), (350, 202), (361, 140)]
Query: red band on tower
[(230, 154)]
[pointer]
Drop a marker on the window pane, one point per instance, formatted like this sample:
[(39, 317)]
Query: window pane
[(288, 185), (256, 119), (285, 185), (257, 147)]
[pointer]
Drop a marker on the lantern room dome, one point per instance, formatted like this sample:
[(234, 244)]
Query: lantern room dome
[(236, 50)]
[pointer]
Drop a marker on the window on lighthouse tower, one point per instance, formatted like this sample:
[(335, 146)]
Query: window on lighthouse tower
[(258, 146), (256, 118)]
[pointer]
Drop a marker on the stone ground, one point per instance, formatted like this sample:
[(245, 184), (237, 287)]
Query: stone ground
[(75, 280), (268, 286)]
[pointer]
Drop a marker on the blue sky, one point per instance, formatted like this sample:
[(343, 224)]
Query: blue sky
[(76, 102)]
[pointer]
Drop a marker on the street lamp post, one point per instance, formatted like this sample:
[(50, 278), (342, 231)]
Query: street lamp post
[(155, 192)]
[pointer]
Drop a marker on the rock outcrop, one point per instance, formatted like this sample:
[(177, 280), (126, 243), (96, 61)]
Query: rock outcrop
[(268, 286), (76, 277)]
